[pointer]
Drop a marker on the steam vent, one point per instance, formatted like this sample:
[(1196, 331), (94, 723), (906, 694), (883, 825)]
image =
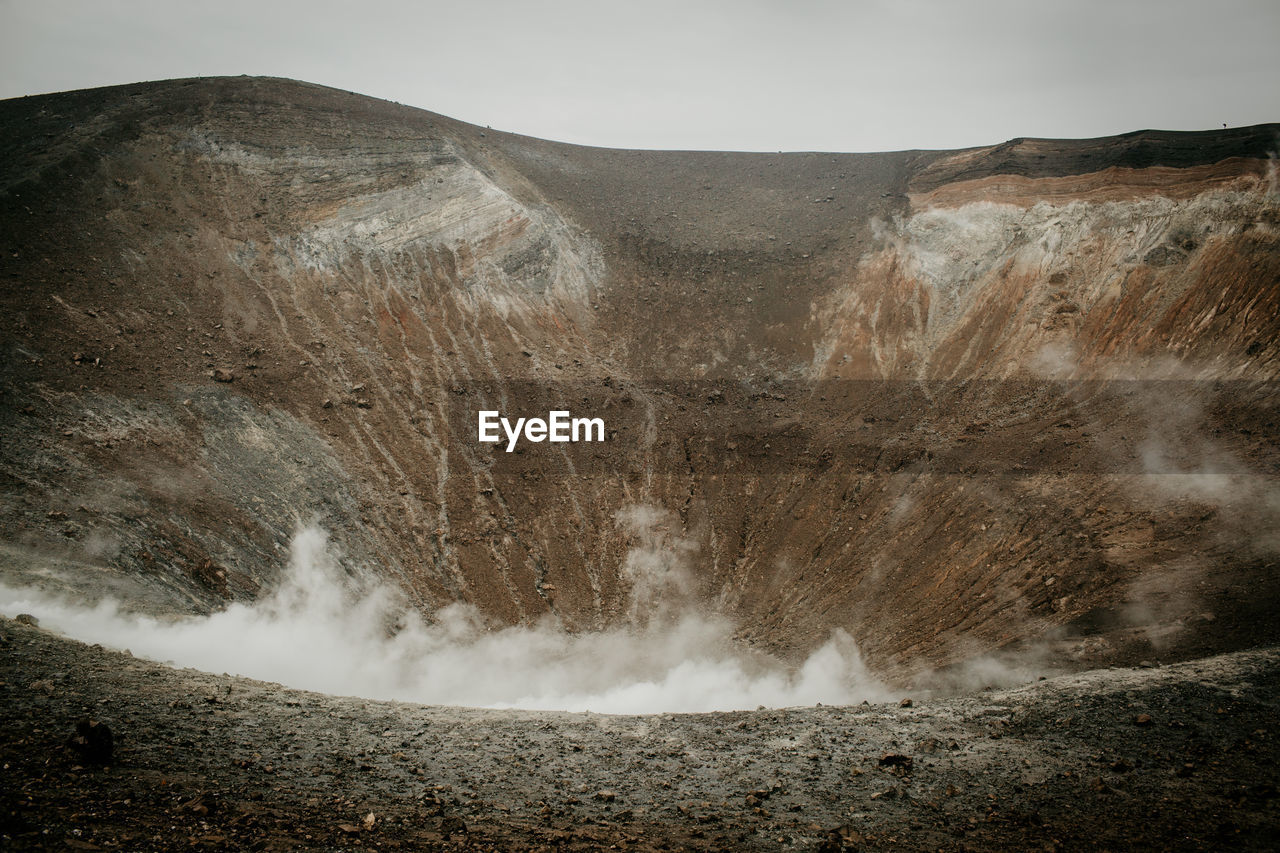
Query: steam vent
[(994, 431)]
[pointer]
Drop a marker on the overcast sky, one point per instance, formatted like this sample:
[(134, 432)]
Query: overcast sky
[(715, 74)]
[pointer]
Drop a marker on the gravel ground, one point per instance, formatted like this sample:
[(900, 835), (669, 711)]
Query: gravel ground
[(1175, 757)]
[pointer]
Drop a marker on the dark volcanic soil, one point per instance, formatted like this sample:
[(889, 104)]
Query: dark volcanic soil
[(1181, 757)]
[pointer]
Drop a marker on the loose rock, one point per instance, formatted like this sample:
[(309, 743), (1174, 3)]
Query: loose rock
[(93, 742)]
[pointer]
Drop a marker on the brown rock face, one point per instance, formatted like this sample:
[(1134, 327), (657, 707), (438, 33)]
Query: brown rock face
[(947, 401)]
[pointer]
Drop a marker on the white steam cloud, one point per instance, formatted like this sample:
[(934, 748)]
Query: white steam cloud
[(320, 631)]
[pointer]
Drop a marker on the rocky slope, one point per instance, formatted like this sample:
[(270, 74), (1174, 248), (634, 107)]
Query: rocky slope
[(950, 402)]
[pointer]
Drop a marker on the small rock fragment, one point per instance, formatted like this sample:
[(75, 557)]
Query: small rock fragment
[(453, 825), (92, 741)]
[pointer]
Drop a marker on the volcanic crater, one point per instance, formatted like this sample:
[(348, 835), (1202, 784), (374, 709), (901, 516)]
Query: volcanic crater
[(967, 418)]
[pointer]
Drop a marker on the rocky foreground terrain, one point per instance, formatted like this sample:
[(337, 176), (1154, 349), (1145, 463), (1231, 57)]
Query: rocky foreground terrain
[(1181, 757)]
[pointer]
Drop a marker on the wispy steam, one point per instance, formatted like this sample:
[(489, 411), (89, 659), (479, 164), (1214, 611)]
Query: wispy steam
[(321, 631), (655, 565)]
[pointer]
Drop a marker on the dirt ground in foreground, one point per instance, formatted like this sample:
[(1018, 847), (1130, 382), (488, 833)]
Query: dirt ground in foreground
[(1178, 757)]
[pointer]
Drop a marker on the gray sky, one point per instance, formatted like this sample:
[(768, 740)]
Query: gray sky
[(862, 75)]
